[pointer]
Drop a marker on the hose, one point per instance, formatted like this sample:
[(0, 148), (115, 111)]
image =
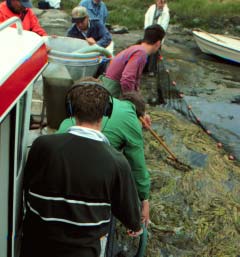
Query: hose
[(94, 48), (142, 243)]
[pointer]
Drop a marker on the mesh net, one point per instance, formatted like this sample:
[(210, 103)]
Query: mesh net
[(221, 121)]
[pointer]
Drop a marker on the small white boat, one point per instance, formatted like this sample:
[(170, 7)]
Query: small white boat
[(226, 47)]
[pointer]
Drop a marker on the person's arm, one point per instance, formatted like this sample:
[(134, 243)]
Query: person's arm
[(147, 20), (35, 25), (36, 154), (124, 198), (71, 31), (105, 36), (134, 152), (105, 13), (133, 71), (2, 17)]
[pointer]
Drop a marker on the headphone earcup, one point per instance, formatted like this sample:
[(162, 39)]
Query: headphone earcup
[(108, 109), (69, 108)]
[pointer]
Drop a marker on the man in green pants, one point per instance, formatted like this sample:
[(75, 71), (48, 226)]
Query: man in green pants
[(124, 131)]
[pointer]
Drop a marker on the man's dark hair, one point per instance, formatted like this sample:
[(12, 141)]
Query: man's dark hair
[(137, 100), (153, 33), (88, 102)]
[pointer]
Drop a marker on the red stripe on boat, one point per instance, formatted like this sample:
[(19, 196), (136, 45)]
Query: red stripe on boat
[(19, 80)]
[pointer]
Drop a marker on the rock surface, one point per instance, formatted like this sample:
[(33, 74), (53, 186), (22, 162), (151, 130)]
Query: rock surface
[(54, 21)]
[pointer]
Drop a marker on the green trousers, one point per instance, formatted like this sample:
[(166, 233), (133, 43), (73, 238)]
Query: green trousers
[(112, 86)]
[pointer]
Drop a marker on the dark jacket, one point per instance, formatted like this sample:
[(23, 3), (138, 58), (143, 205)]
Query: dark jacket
[(96, 30), (72, 184)]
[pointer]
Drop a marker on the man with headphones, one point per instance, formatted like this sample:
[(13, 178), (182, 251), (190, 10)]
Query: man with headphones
[(124, 132), (74, 181)]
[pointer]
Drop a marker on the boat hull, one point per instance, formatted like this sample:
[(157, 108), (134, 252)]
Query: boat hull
[(217, 46)]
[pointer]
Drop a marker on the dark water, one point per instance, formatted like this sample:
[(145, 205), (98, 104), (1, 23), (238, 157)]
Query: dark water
[(222, 119)]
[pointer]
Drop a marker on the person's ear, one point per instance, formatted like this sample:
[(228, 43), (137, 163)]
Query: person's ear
[(158, 44)]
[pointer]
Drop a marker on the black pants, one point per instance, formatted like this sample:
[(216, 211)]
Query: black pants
[(43, 5)]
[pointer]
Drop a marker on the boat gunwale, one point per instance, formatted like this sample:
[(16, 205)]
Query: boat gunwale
[(233, 49)]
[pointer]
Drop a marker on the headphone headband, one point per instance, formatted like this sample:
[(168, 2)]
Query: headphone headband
[(69, 107)]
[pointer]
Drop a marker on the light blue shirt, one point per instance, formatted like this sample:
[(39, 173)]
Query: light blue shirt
[(95, 11), (88, 133)]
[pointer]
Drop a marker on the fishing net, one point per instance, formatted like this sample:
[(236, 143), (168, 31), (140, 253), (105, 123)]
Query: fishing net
[(221, 121), (195, 213)]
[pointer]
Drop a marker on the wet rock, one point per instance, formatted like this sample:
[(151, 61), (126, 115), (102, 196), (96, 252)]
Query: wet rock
[(237, 28), (38, 12), (216, 23), (236, 100), (196, 21), (187, 31), (116, 29), (55, 22), (235, 20)]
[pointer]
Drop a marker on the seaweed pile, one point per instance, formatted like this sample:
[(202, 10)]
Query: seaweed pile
[(195, 213)]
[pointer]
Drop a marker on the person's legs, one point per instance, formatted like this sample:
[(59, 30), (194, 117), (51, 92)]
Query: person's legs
[(152, 66)]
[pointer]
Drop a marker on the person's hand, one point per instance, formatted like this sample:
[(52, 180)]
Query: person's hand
[(48, 49), (54, 36), (135, 233), (91, 41), (145, 212), (147, 121)]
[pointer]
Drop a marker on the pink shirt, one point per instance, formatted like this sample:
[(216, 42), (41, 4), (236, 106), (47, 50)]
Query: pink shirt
[(127, 67)]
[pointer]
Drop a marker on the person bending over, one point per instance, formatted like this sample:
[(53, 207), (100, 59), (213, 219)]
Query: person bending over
[(125, 69), (74, 181), (124, 132), (91, 30)]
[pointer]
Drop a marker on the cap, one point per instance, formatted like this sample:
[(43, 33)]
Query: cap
[(26, 3), (79, 13)]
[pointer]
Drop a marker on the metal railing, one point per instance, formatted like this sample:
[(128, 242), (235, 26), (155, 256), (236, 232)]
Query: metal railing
[(10, 22)]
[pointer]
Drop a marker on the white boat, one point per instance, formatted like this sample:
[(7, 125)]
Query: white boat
[(226, 47)]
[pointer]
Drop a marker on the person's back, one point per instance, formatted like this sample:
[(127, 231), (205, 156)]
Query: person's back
[(78, 180), (127, 66), (125, 70), (73, 182), (124, 132)]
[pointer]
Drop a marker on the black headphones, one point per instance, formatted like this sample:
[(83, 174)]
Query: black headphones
[(69, 107)]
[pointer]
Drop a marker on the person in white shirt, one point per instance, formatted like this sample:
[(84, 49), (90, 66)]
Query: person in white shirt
[(157, 13)]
